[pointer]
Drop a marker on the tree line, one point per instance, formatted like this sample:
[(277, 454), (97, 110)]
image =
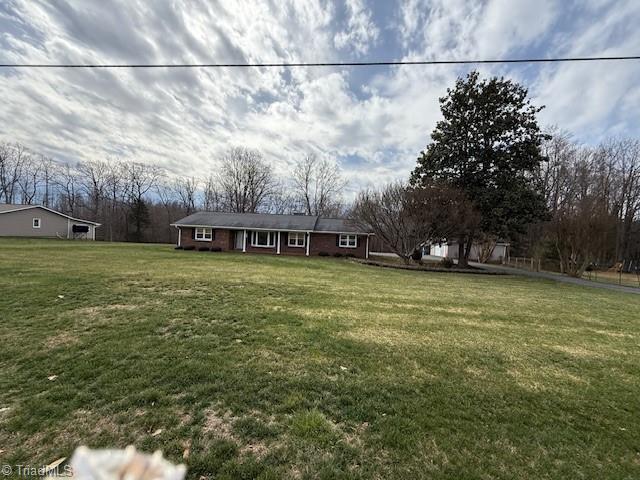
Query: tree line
[(592, 195), (137, 202)]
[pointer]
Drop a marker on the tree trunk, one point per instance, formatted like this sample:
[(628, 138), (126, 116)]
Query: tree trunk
[(467, 251), (463, 259)]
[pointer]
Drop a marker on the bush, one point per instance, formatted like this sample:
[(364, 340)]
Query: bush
[(179, 247), (216, 249), (189, 247), (446, 263), (323, 254), (416, 256), (204, 249), (337, 255), (350, 255)]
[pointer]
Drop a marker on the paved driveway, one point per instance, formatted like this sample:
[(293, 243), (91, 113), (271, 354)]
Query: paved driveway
[(557, 277)]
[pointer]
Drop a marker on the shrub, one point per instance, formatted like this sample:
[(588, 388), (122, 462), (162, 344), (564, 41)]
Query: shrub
[(179, 247), (204, 249), (216, 249), (416, 256), (323, 254), (189, 247), (337, 255), (350, 255), (446, 262)]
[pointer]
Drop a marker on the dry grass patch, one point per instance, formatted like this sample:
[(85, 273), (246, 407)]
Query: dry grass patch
[(62, 339)]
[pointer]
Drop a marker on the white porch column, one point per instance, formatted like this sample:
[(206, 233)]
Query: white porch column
[(367, 253), (308, 242), (179, 236), (278, 249), (244, 241)]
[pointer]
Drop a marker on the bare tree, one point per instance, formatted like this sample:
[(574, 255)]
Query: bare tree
[(318, 186), (115, 196), (49, 170), (29, 180), (406, 218), (12, 157), (69, 186), (245, 180), (172, 207), (282, 202), (593, 196), (186, 189), (140, 178), (622, 157), (93, 178), (580, 215), (212, 199)]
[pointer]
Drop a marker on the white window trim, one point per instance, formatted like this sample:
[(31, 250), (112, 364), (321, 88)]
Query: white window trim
[(297, 236), (271, 239), (207, 234), (33, 222), (345, 240)]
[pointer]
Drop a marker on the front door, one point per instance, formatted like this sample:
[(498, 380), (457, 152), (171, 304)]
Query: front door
[(239, 242)]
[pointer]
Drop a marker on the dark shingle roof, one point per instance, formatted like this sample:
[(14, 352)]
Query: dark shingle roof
[(338, 225), (306, 223)]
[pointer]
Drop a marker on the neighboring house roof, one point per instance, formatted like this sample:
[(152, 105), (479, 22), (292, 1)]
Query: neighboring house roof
[(8, 208), (455, 242), (268, 221)]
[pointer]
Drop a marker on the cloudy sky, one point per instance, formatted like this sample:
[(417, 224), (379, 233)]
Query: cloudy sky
[(373, 121)]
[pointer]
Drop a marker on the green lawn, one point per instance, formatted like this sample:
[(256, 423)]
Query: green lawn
[(280, 367)]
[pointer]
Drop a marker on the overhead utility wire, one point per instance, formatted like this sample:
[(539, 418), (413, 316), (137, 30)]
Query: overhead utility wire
[(317, 64)]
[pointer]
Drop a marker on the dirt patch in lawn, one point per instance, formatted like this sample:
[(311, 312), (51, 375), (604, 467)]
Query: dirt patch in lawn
[(221, 425), (62, 339), (92, 312)]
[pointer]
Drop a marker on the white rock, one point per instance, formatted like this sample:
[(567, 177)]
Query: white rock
[(128, 463)]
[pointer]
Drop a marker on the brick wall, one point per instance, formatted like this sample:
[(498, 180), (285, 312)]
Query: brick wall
[(320, 242), (222, 239), (327, 242)]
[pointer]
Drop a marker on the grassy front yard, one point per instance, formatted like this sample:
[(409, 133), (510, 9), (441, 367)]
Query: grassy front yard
[(264, 367)]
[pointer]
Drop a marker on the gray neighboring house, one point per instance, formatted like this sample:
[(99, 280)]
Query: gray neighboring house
[(39, 221)]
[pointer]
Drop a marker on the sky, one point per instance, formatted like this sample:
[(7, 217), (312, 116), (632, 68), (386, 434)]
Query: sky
[(372, 121)]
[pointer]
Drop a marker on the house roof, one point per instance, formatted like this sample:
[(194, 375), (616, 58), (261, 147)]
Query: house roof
[(268, 221), (8, 207), (337, 225)]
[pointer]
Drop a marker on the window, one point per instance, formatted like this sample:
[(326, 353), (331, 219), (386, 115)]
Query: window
[(36, 223), (297, 239), (348, 241), (263, 239), (204, 234)]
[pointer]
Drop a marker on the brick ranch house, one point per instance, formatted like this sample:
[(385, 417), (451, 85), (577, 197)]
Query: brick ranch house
[(275, 234)]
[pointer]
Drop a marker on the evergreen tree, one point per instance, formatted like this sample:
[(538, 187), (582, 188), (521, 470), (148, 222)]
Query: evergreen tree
[(488, 146)]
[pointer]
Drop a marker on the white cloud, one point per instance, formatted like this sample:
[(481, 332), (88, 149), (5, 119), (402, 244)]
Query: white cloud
[(361, 32), (375, 121)]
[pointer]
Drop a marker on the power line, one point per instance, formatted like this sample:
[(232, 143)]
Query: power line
[(318, 64)]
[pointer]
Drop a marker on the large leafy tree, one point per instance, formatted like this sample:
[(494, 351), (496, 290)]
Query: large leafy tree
[(488, 145)]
